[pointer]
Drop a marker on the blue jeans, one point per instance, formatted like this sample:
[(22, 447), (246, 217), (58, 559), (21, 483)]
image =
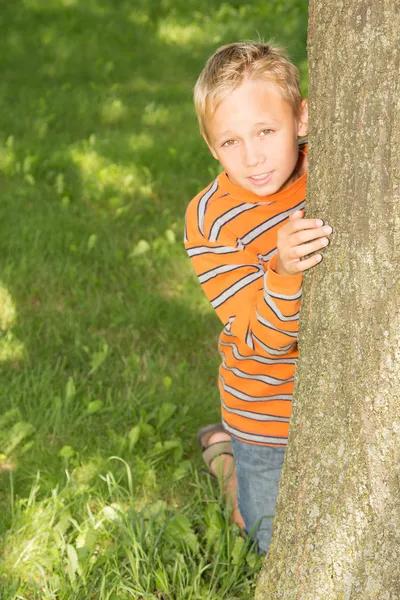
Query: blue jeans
[(258, 469)]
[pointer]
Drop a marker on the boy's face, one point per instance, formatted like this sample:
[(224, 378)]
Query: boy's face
[(253, 133)]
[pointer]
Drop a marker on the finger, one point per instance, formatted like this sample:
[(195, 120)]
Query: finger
[(304, 249), (301, 237), (300, 224), (308, 263)]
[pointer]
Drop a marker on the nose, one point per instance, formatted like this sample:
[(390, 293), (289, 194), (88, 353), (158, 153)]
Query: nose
[(252, 155)]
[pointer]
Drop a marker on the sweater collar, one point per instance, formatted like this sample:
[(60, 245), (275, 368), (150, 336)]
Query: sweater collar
[(247, 196)]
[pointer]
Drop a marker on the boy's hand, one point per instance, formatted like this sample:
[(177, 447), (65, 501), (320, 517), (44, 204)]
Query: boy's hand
[(298, 238)]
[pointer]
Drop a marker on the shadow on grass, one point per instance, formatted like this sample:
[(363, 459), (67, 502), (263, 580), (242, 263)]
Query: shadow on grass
[(99, 156)]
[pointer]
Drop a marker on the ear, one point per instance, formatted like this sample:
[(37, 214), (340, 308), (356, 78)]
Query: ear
[(211, 149), (302, 124)]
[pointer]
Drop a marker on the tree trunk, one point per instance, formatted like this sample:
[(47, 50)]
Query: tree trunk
[(337, 528)]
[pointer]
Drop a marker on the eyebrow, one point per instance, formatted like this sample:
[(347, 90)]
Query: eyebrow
[(269, 122), (229, 133), (225, 135)]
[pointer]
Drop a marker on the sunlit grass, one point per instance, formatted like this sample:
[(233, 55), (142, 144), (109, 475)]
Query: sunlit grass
[(100, 175), (181, 34), (7, 309), (155, 115), (11, 349), (113, 110), (67, 542)]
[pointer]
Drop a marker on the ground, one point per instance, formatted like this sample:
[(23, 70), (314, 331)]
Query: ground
[(108, 350)]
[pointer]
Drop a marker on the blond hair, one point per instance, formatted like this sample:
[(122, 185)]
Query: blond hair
[(230, 65)]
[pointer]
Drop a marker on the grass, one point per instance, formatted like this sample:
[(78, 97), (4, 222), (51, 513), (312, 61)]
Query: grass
[(108, 354)]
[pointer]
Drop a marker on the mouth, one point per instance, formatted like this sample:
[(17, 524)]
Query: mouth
[(260, 179)]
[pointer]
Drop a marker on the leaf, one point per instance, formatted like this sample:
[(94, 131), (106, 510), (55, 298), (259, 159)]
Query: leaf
[(87, 539), (167, 381), (66, 452), (60, 184), (214, 523), (92, 241), (180, 530), (121, 210), (167, 409), (141, 248), (64, 523), (170, 235), (254, 560), (110, 513), (161, 579), (117, 439), (94, 407), (98, 358), (27, 164), (133, 436), (158, 508), (73, 563), (181, 471), (9, 416), (147, 430), (174, 446), (26, 447), (70, 390), (19, 432), (237, 554), (29, 178)]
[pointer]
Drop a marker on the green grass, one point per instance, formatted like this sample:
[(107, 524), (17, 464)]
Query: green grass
[(108, 355)]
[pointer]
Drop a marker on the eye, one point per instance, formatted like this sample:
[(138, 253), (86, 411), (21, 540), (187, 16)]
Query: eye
[(265, 132), (228, 143)]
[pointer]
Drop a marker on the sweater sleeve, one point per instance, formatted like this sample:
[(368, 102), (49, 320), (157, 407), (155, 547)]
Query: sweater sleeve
[(253, 301)]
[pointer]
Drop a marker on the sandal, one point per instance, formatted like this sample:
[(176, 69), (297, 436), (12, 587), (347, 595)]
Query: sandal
[(210, 452)]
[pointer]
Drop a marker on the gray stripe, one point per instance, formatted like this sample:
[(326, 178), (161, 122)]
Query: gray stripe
[(295, 296), (269, 255), (228, 332), (269, 302), (236, 287), (263, 378), (228, 325), (207, 250), (203, 205), (246, 398), (256, 357), (251, 437), (273, 351), (222, 269), (228, 216), (263, 227), (292, 334), (253, 415)]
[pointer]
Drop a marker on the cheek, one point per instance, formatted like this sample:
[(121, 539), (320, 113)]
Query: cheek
[(230, 159)]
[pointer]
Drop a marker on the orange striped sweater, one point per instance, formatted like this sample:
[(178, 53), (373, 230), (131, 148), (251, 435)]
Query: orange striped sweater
[(230, 237)]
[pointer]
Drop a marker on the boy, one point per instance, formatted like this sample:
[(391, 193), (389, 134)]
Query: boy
[(249, 245)]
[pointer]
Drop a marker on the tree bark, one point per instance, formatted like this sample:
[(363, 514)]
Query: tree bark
[(337, 527)]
